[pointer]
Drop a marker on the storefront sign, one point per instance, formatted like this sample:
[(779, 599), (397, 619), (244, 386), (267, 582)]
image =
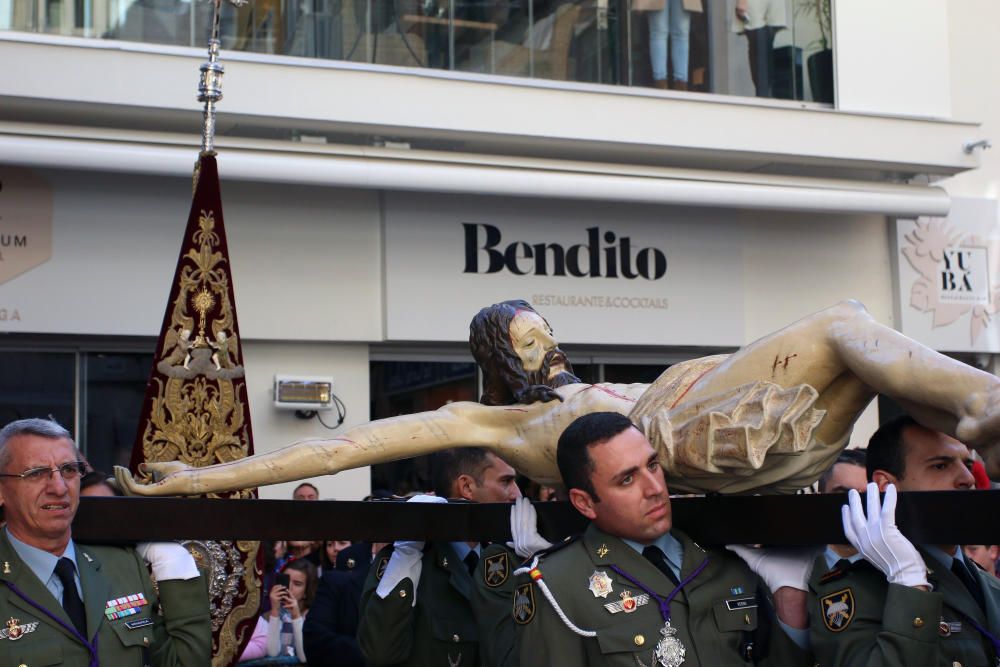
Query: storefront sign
[(601, 273), (25, 225), (949, 277)]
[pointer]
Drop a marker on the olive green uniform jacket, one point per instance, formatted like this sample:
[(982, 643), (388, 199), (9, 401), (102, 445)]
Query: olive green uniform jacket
[(440, 631), (717, 615), (181, 637), (492, 603), (856, 617)]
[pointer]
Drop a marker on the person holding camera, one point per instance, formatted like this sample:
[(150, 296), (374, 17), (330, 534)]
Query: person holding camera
[(279, 631)]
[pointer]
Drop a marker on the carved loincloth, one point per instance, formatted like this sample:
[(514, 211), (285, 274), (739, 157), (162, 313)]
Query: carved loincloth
[(756, 436)]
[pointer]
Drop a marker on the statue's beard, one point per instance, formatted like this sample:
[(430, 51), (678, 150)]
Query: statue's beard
[(563, 377)]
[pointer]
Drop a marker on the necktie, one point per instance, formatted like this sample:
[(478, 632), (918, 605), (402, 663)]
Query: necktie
[(961, 570), (655, 556), (71, 599), (471, 561)]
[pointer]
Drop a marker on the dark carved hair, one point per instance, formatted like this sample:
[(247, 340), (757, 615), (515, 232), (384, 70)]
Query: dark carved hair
[(504, 379), (446, 466), (885, 448), (573, 450), (853, 457)]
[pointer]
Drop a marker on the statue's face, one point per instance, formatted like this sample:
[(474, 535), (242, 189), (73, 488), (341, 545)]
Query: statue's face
[(532, 341)]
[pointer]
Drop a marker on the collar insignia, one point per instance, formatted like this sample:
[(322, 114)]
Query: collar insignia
[(602, 551), (380, 568)]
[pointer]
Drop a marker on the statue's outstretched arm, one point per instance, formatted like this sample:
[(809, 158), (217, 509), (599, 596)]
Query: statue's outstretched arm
[(457, 424)]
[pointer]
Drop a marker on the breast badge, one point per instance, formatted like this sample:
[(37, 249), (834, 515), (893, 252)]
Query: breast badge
[(497, 569), (628, 603), (600, 584), (15, 629), (838, 610), (524, 604)]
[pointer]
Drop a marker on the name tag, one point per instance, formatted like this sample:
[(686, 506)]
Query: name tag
[(739, 604), (141, 623)]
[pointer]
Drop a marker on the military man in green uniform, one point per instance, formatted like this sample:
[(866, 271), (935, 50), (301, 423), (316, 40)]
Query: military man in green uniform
[(633, 590), (415, 608), (902, 604), (63, 603)]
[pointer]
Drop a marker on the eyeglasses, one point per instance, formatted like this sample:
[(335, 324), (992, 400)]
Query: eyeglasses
[(69, 471)]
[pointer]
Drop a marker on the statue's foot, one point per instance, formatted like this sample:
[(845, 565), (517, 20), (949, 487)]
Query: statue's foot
[(980, 427)]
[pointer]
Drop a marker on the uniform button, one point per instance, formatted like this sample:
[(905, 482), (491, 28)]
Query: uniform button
[(918, 622), (402, 594), (639, 640), (22, 665), (145, 641), (956, 664), (456, 638)]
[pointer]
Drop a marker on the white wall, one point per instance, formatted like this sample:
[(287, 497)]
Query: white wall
[(974, 33), (306, 261), (796, 265), (273, 428), (892, 57)]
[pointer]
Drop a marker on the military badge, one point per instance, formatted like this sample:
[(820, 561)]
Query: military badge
[(600, 584), (350, 563), (15, 629), (497, 570), (838, 610), (602, 551), (524, 604), (628, 603), (380, 569)]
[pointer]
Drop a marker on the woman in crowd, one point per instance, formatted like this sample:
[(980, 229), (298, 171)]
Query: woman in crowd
[(279, 631), (328, 554)]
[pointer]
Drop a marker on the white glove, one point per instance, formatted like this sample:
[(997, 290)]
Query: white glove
[(779, 567), (879, 541), (406, 560), (168, 560), (524, 529)]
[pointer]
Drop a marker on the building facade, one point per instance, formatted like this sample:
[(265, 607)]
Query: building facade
[(388, 169)]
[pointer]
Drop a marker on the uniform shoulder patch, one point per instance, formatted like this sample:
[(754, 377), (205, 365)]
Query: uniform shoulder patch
[(496, 569), (837, 610), (380, 568), (524, 604)]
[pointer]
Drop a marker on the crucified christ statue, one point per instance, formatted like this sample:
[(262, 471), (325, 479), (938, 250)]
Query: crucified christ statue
[(772, 416)]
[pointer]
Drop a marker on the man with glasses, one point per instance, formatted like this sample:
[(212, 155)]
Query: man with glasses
[(66, 603)]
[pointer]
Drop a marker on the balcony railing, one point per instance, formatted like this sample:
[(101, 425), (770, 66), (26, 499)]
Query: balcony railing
[(763, 48)]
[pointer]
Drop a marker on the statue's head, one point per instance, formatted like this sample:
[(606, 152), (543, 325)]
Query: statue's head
[(515, 349)]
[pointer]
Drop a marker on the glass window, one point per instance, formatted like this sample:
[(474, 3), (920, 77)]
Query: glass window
[(113, 388), (764, 48), (405, 387), (38, 384)]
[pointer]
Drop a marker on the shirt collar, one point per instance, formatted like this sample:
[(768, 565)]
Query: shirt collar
[(39, 561), (668, 544), (942, 556), (462, 549), (832, 557)]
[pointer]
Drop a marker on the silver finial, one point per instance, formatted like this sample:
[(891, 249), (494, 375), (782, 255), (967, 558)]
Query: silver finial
[(210, 84)]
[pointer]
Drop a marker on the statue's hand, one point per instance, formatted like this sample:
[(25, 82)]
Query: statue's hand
[(537, 393), (162, 469), (166, 483), (128, 485)]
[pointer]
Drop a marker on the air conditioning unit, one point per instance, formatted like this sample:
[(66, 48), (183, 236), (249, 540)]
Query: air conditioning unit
[(303, 392)]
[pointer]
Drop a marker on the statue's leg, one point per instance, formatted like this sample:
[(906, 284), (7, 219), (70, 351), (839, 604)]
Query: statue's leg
[(847, 356)]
